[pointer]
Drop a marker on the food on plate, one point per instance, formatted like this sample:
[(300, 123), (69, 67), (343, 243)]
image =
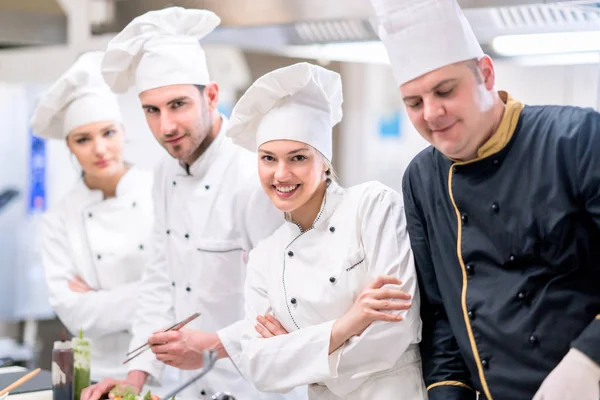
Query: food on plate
[(127, 393)]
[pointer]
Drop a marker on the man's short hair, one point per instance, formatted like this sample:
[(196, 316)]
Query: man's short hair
[(474, 67)]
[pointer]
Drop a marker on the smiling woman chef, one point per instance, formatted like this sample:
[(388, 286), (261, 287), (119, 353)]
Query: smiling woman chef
[(333, 274), (94, 239)]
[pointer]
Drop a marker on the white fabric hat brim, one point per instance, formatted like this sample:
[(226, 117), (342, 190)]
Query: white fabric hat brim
[(91, 108)]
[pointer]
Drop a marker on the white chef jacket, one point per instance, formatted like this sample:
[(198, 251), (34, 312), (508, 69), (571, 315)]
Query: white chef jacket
[(207, 217), (309, 279), (106, 243)]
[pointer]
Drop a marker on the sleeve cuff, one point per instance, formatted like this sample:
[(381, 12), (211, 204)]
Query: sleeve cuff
[(335, 357), (262, 362), (451, 390), (230, 338), (588, 341)]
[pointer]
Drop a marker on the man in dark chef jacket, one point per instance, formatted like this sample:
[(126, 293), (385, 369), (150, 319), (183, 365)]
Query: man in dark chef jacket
[(503, 211)]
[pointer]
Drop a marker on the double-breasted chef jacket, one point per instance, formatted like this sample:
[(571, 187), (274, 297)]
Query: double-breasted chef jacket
[(106, 243), (507, 251), (308, 279)]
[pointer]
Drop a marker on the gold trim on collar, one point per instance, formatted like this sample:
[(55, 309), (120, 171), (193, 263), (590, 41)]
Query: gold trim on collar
[(505, 130)]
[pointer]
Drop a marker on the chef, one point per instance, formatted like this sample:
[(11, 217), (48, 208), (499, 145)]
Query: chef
[(337, 275), (503, 214), (209, 207), (96, 239)]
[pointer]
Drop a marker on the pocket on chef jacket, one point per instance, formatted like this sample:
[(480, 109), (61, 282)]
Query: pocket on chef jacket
[(223, 269), (355, 271), (351, 276), (219, 246), (357, 259)]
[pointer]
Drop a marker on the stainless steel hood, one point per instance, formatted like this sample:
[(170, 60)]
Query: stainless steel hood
[(268, 24), (248, 13), (31, 22)]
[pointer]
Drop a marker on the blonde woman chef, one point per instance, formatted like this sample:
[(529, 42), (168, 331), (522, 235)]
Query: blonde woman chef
[(323, 293), (96, 239)]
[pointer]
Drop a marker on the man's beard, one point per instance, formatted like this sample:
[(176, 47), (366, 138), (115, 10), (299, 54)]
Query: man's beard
[(198, 144), (198, 140)]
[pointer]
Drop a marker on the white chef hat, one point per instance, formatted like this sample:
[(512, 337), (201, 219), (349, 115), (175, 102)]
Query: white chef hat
[(79, 97), (423, 35), (302, 102), (159, 48)]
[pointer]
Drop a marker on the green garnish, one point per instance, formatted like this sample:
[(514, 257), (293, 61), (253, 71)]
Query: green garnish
[(124, 391)]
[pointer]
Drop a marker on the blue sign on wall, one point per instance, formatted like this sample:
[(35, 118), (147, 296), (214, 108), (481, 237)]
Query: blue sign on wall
[(225, 108), (389, 125), (37, 175)]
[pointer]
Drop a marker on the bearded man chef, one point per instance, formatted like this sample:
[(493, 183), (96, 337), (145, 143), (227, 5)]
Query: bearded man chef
[(334, 280), (209, 206), (95, 239), (504, 218)]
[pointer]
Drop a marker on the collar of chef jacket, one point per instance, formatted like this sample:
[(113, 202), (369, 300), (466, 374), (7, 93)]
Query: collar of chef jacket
[(333, 196), (210, 156), (125, 187)]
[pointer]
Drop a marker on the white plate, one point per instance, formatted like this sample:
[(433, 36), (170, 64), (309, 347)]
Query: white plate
[(4, 396)]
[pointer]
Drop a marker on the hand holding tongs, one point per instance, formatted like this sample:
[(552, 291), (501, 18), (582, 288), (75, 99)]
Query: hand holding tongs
[(175, 327)]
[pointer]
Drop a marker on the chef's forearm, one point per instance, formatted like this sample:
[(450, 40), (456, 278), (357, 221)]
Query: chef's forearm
[(340, 333), (146, 362), (137, 379), (218, 346), (230, 342)]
